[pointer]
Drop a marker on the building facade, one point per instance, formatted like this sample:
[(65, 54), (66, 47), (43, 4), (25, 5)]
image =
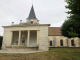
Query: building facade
[(57, 40), (28, 35), (34, 36)]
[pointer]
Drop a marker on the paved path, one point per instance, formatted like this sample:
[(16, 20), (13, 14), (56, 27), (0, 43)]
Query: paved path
[(5, 51)]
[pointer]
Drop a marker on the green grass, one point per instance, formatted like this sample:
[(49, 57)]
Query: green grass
[(52, 54)]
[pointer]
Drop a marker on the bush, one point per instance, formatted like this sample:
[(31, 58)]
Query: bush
[(1, 38)]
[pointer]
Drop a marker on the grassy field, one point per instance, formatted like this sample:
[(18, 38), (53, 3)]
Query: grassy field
[(52, 54)]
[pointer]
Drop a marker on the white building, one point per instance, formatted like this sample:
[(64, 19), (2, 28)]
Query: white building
[(34, 36), (28, 35)]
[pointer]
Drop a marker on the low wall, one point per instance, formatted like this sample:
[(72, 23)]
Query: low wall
[(21, 49)]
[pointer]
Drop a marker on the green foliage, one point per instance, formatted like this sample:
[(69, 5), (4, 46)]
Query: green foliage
[(71, 27), (1, 38), (74, 9), (52, 54), (65, 28), (72, 32)]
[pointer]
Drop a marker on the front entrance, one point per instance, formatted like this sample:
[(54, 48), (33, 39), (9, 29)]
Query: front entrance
[(25, 38)]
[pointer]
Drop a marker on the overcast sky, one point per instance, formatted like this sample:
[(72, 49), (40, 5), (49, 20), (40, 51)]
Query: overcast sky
[(47, 11)]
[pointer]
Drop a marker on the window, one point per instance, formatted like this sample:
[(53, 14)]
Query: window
[(72, 42), (31, 21), (50, 43), (61, 42)]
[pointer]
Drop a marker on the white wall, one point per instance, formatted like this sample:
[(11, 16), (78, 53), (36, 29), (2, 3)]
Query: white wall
[(15, 37), (33, 38), (43, 34)]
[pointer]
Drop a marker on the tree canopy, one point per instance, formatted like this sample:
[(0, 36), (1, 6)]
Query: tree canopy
[(1, 38), (74, 9), (71, 27), (68, 29)]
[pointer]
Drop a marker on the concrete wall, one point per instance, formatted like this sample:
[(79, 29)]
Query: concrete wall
[(43, 38), (6, 37)]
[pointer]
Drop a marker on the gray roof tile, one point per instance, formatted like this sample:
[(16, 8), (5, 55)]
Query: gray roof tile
[(32, 14)]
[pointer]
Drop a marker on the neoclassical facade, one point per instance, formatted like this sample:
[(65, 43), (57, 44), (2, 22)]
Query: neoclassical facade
[(28, 35), (31, 36)]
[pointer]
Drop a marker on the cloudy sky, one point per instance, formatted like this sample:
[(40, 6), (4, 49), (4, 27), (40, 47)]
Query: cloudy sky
[(47, 11)]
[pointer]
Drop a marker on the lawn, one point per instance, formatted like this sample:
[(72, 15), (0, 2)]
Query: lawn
[(52, 54)]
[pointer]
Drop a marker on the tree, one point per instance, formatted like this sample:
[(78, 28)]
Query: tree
[(68, 30), (72, 26), (72, 32), (74, 9), (1, 38), (65, 28)]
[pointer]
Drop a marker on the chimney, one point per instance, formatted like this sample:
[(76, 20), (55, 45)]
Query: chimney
[(37, 21), (12, 23), (20, 21)]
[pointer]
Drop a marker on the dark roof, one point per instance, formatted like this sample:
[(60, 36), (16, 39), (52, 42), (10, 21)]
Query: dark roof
[(54, 31), (32, 14)]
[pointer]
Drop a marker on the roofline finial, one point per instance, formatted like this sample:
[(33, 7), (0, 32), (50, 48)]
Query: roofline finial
[(32, 2)]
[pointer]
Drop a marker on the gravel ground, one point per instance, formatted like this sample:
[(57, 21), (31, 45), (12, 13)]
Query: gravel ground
[(5, 51)]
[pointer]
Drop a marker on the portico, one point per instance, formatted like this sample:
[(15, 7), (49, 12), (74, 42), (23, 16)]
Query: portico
[(27, 36), (31, 38)]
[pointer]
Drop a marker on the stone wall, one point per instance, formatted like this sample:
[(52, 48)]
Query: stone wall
[(34, 21), (66, 41), (43, 38), (43, 35)]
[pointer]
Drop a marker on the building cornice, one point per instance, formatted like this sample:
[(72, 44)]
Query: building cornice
[(27, 25)]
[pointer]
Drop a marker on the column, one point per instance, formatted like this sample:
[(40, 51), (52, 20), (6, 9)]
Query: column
[(37, 37), (19, 37), (28, 38), (11, 35)]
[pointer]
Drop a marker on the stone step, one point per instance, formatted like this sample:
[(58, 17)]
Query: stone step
[(21, 49)]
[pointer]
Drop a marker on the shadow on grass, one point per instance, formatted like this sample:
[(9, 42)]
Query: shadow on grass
[(50, 48)]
